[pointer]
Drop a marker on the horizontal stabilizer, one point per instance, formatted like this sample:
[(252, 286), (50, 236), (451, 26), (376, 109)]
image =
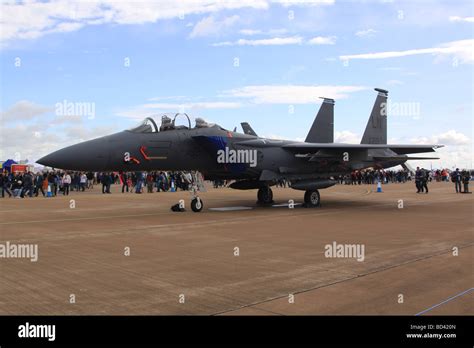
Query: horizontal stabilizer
[(399, 149)]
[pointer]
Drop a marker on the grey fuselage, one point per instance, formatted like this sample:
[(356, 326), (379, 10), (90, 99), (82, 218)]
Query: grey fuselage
[(185, 149)]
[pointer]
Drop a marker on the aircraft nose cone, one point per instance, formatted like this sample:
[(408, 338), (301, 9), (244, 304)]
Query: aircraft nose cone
[(50, 160), (90, 155)]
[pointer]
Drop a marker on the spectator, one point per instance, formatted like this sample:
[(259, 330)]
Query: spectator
[(82, 181), (66, 182), (5, 184), (456, 178)]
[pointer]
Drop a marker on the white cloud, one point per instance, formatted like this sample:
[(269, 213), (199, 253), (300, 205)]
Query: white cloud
[(173, 97), (456, 153), (24, 110), (277, 94), (277, 41), (449, 157), (251, 32), (462, 49), (288, 3), (450, 137), (150, 109), (346, 137), (210, 26), (32, 19), (461, 19), (34, 141), (322, 40), (291, 94), (198, 105), (366, 33)]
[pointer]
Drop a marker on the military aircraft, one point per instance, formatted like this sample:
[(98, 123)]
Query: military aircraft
[(253, 162)]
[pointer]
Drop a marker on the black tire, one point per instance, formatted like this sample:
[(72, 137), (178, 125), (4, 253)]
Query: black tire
[(197, 205), (312, 198), (265, 195)]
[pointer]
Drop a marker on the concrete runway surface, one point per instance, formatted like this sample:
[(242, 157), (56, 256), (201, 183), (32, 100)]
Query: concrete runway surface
[(281, 252)]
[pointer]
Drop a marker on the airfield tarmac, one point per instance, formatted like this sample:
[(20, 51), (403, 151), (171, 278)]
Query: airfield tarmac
[(408, 252)]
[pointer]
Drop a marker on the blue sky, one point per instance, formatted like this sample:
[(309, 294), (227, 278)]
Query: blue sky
[(265, 62)]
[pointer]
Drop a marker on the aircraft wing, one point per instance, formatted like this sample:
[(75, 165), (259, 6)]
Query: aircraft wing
[(399, 149), (403, 157)]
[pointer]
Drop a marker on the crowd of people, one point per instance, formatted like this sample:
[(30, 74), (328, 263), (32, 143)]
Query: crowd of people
[(371, 176), (152, 181), (461, 180), (53, 183), (30, 184)]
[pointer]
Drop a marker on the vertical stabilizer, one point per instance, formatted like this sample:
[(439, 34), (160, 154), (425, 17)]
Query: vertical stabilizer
[(322, 130), (376, 129), (247, 129)]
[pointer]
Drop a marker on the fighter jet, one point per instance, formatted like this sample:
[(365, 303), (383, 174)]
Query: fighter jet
[(253, 162)]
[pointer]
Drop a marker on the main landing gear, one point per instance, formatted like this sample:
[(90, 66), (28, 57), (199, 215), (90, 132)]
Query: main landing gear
[(312, 198), (265, 195)]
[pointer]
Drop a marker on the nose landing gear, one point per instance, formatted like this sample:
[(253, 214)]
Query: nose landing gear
[(197, 205)]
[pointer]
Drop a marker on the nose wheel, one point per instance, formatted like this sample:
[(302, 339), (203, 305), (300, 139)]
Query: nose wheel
[(197, 205), (265, 195), (312, 198)]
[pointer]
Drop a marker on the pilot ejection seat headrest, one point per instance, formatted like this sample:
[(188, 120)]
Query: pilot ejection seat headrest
[(201, 123), (166, 123)]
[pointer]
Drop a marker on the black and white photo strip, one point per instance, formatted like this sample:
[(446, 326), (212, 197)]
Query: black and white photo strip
[(212, 172)]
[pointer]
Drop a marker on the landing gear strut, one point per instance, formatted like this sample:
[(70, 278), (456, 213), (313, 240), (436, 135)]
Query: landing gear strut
[(311, 198), (265, 195)]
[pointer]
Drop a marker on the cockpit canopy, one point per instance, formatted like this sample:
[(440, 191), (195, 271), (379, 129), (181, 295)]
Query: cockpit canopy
[(148, 125)]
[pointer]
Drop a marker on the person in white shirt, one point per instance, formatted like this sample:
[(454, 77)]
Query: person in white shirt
[(82, 182), (66, 183)]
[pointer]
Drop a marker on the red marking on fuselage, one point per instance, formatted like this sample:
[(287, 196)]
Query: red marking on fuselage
[(142, 151)]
